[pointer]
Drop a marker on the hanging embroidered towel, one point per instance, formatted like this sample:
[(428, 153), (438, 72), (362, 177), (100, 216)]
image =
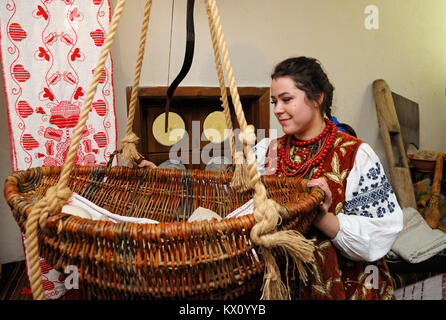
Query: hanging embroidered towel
[(49, 52), (49, 49)]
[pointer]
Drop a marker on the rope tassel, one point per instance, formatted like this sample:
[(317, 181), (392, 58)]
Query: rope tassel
[(264, 234), (265, 222)]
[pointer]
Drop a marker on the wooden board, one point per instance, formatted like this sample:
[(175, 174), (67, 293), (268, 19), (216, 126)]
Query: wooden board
[(393, 142), (408, 115), (194, 104)]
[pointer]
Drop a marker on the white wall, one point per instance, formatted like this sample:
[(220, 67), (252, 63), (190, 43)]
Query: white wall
[(408, 51), (10, 241)]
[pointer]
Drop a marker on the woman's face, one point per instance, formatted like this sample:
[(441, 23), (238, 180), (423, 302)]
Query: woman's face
[(297, 115)]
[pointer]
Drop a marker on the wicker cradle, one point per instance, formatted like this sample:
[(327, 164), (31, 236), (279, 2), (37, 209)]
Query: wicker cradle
[(174, 258)]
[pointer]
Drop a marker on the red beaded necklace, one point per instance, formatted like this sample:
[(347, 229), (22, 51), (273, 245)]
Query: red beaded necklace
[(291, 169)]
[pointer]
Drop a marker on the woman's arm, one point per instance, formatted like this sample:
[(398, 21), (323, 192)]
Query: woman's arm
[(144, 163), (372, 217), (325, 221)]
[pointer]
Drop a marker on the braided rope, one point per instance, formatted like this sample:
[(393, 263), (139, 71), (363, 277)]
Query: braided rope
[(129, 150), (239, 179), (221, 80), (58, 195), (266, 212)]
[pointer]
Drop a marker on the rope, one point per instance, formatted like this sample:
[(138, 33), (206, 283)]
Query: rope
[(128, 144), (241, 173), (266, 213), (58, 195)]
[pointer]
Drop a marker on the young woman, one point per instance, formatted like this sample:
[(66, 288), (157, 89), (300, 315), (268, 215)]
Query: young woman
[(360, 217)]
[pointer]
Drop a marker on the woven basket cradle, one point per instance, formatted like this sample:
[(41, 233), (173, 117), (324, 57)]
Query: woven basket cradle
[(174, 258), (203, 259)]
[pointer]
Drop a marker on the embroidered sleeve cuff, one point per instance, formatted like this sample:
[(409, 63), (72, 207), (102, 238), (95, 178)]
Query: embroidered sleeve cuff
[(367, 239), (346, 236)]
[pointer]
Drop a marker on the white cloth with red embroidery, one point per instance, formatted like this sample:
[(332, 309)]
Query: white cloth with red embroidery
[(49, 50), (433, 288)]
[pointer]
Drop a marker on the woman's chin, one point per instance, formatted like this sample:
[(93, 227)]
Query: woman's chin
[(288, 131)]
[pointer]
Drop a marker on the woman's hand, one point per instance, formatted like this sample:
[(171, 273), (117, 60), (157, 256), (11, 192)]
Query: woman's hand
[(322, 183), (144, 163), (325, 221)]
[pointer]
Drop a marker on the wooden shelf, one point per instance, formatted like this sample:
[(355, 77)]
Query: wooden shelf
[(193, 104)]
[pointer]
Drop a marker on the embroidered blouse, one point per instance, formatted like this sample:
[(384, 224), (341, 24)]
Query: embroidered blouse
[(372, 217)]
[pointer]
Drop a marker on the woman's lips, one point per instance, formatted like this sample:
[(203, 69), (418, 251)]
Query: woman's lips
[(283, 121)]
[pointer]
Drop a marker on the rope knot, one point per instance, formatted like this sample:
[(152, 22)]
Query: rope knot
[(130, 138), (55, 198), (129, 151)]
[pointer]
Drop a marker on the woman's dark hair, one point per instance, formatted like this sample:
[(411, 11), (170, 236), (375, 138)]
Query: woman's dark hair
[(348, 129), (309, 77)]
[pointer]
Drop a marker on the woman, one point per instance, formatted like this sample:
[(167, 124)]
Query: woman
[(359, 218)]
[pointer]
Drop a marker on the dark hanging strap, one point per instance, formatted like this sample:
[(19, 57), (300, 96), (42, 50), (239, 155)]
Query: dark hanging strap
[(188, 57)]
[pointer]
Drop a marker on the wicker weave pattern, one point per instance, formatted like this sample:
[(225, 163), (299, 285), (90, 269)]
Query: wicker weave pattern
[(172, 259)]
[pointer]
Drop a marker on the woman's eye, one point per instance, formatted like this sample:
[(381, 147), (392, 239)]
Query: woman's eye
[(287, 99)]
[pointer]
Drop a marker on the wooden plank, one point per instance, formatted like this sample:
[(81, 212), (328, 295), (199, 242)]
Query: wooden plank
[(194, 104), (408, 115), (393, 142)]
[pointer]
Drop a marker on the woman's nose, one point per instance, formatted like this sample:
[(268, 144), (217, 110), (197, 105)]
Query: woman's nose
[(278, 109)]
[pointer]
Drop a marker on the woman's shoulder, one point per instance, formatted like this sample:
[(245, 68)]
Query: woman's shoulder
[(347, 137)]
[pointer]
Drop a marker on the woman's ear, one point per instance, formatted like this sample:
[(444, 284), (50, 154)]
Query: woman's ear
[(319, 100)]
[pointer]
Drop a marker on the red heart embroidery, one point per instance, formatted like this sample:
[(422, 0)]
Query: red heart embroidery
[(43, 54), (29, 142), (79, 93), (65, 115), (103, 75), (24, 109), (44, 266), (100, 107), (97, 2), (16, 32), (20, 74), (42, 12), (98, 37), (101, 139), (48, 94), (75, 54), (47, 285)]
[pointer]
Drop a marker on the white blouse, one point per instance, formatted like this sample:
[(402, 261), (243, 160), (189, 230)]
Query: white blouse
[(372, 217)]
